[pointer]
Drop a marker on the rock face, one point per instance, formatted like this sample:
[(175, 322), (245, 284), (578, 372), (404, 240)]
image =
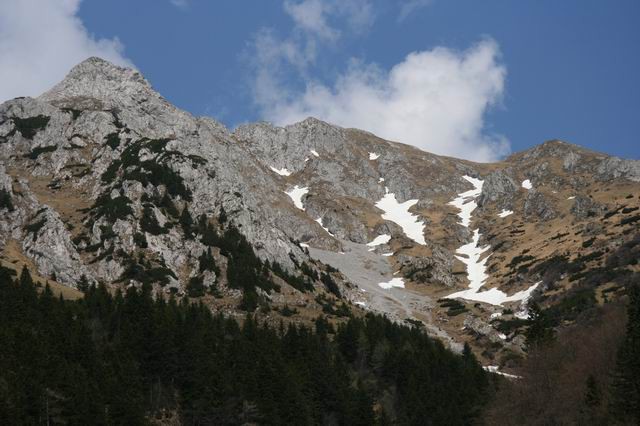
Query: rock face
[(102, 178), (538, 206), (499, 189)]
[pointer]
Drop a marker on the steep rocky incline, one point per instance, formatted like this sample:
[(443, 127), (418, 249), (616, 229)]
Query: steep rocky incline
[(103, 180)]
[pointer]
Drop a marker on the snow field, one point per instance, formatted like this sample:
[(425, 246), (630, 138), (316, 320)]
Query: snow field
[(399, 213), (296, 195)]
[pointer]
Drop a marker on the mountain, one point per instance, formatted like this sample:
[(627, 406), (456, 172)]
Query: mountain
[(104, 181)]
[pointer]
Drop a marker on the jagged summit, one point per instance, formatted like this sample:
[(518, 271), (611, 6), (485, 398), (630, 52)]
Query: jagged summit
[(102, 83)]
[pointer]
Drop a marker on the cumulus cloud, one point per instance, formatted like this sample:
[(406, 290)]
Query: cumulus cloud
[(314, 16), (40, 40), (311, 16), (407, 7), (275, 57), (435, 100)]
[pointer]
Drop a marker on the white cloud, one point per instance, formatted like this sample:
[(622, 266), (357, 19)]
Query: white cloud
[(407, 7), (41, 40), (315, 17), (311, 16), (180, 3), (273, 57), (435, 100)]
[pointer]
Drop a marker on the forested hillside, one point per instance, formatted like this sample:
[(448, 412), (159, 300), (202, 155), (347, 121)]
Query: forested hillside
[(130, 359)]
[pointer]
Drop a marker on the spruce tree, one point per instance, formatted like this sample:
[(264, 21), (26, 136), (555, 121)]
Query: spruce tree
[(186, 221), (625, 403), (83, 284), (540, 331)]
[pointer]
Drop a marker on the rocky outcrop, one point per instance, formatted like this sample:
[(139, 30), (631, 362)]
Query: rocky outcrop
[(584, 207), (614, 168), (536, 205), (435, 269), (499, 189)]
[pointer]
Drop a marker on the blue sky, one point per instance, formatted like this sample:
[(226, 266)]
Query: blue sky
[(516, 73)]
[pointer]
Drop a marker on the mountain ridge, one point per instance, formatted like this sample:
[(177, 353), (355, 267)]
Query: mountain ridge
[(105, 177)]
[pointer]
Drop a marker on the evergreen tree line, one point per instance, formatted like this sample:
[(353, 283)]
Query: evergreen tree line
[(128, 358), (587, 374)]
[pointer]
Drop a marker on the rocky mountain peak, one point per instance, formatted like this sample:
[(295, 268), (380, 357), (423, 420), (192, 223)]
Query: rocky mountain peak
[(101, 84)]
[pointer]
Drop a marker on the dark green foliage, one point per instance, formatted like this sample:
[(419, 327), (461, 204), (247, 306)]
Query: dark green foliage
[(507, 326), (123, 359), (149, 223), (208, 263), (34, 227), (250, 300), (110, 174), (35, 152), (83, 284), (455, 307), (574, 302), (222, 218), (592, 397), (288, 312), (300, 283), (5, 200), (519, 259), (244, 269), (629, 220), (330, 284), (112, 140), (308, 271), (151, 172), (154, 172), (186, 221), (166, 204), (611, 213), (206, 230), (540, 331), (143, 272), (195, 287), (625, 404), (112, 208), (140, 240), (28, 127)]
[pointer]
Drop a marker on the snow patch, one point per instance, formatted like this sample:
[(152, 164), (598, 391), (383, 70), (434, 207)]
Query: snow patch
[(304, 245), (319, 220), (494, 369), (571, 198), (505, 213), (379, 240), (363, 304), (373, 156), (282, 172), (296, 195), (399, 213), (526, 184), (380, 180), (387, 254), (395, 282), (314, 152), (466, 201)]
